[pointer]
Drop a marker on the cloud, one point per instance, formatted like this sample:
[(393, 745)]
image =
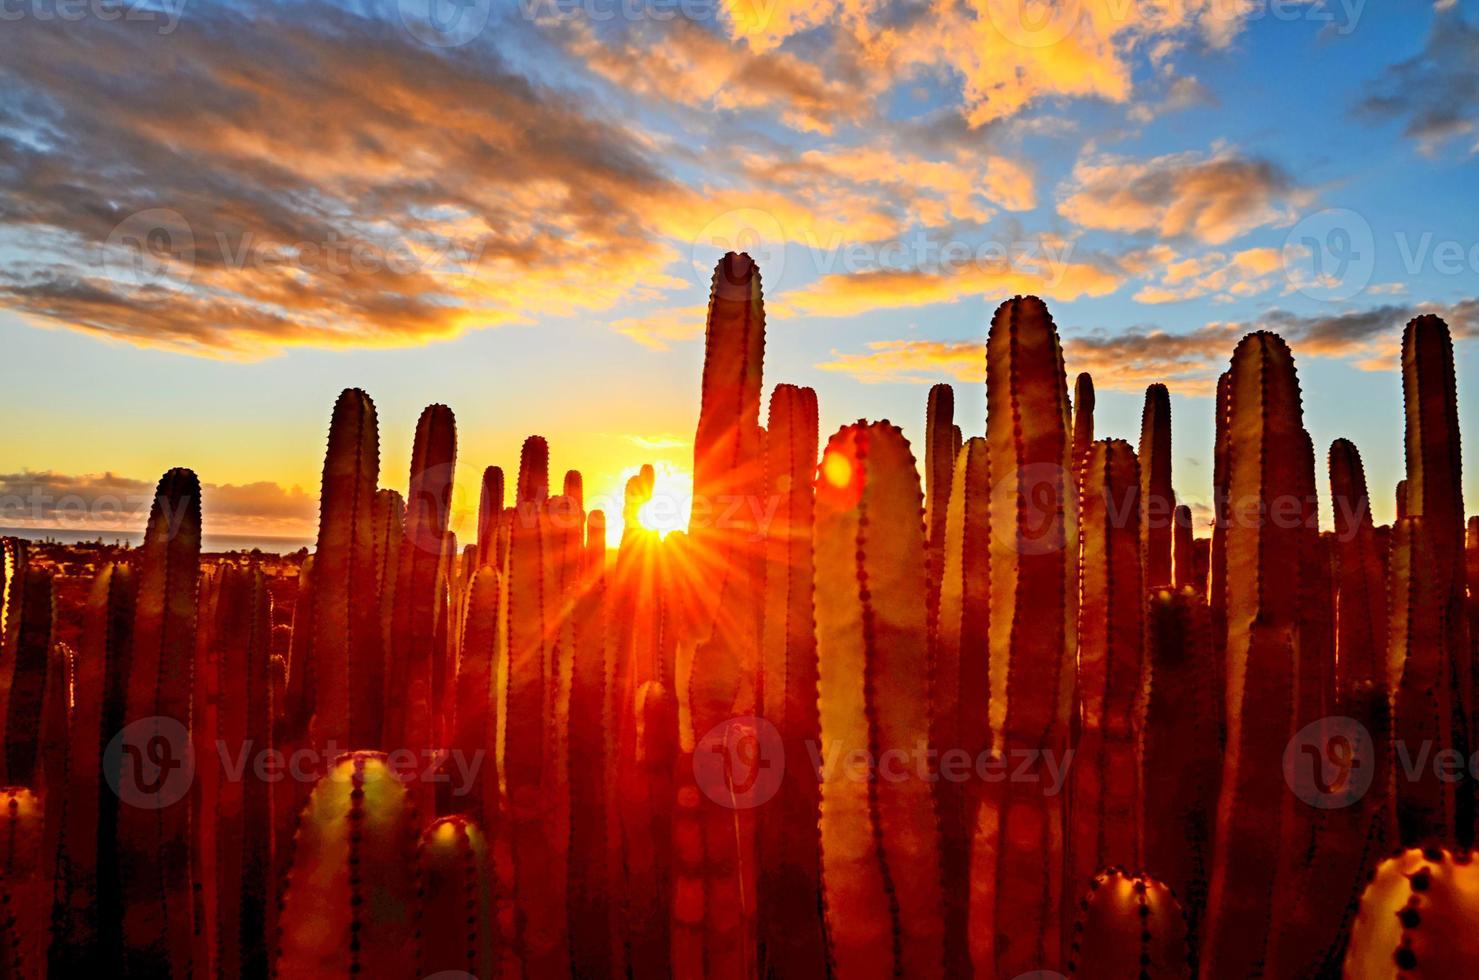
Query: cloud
[(1211, 199), (1436, 92), (110, 502), (1004, 55), (1223, 276), (1187, 363), (283, 177)]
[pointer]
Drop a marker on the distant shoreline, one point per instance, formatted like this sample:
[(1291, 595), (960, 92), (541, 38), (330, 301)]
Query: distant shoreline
[(267, 544)]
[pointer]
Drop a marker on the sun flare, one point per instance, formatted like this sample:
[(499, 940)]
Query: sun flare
[(671, 503)]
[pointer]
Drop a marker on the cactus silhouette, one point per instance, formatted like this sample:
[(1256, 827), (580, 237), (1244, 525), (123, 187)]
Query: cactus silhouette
[(1416, 918), (880, 858), (350, 903), (1130, 925), (454, 929), (1157, 500), (1017, 920)]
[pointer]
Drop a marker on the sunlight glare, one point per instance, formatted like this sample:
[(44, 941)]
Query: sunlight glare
[(671, 503)]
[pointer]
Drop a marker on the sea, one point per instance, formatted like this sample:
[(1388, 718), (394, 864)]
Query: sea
[(209, 543)]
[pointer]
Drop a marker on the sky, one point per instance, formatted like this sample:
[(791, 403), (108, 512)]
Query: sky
[(215, 216)]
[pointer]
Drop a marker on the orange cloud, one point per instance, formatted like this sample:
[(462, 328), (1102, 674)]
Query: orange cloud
[(1181, 195)]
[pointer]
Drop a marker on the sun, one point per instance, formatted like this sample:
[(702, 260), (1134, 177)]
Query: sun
[(671, 503)]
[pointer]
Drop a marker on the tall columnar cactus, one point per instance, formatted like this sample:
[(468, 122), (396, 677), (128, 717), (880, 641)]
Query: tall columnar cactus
[(1217, 579), (524, 765), (1104, 829), (1130, 926), (23, 672), (574, 489), (390, 532), (1435, 493), (1183, 551), (409, 721), (939, 461), (350, 903), (1180, 754), (959, 684), (1016, 921), (1157, 499), (880, 857), (592, 823), (454, 926), (790, 870), (1361, 604), (25, 884), (476, 723), (533, 485), (1266, 440), (1083, 416), (89, 891), (348, 661), (490, 512), (1420, 681), (1315, 687), (1416, 919), (243, 889), (644, 784), (154, 840)]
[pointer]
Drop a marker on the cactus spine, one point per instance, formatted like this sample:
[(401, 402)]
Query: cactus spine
[(880, 858), (1016, 915), (1105, 829), (1130, 925), (454, 931), (350, 899), (1416, 919)]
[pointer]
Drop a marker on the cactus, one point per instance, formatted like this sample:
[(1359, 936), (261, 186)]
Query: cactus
[(1266, 440), (939, 460), (454, 930), (574, 489), (1104, 830), (350, 900), (1183, 551), (1180, 754), (25, 885), (880, 858), (1418, 677), (390, 532), (792, 944), (348, 663), (23, 674), (1415, 919), (1017, 910), (90, 889), (1434, 492), (476, 717), (154, 843), (490, 512), (1083, 416), (1221, 508), (645, 788), (410, 704), (243, 804), (1130, 925), (1157, 500), (959, 685), (1361, 607)]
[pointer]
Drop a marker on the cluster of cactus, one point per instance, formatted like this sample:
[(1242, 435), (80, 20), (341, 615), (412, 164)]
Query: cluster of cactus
[(992, 712)]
